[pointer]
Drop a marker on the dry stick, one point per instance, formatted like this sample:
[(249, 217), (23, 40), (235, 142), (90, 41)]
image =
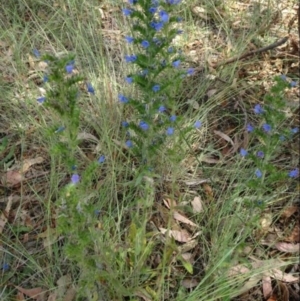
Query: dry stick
[(237, 58)]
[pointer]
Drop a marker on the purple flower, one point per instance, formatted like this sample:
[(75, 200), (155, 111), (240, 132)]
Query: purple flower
[(161, 109), (197, 124), (41, 99), (75, 179), (283, 77), (258, 109), (164, 17), (123, 98), (295, 130), (190, 71), (90, 88), (170, 131), (36, 53), (156, 88), (129, 79), (249, 128), (294, 173), (129, 39), (130, 58), (45, 78), (173, 118), (101, 159), (293, 84), (145, 44), (258, 173), (157, 25), (243, 152), (129, 143), (69, 68), (176, 64), (260, 154), (144, 125), (127, 11), (266, 127)]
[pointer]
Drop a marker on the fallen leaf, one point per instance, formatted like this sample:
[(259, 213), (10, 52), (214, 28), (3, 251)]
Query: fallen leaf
[(35, 293), (52, 297), (29, 162), (289, 211), (179, 217), (287, 248), (62, 285), (20, 297), (70, 294), (267, 286), (225, 137), (3, 216), (169, 203), (12, 178), (279, 275), (189, 282), (197, 204), (181, 236)]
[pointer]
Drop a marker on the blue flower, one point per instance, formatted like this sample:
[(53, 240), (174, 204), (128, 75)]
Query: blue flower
[(156, 88), (69, 68), (295, 130), (179, 19), (163, 16), (123, 98), (144, 125), (171, 49), (155, 3), (161, 109), (132, 2), (176, 64), (45, 78), (173, 118), (190, 71), (144, 72), (170, 131), (260, 154), (198, 124), (294, 173), (157, 25), (125, 124), (282, 138), (5, 267), (249, 128), (101, 159), (127, 11), (145, 44), (130, 58), (173, 2), (129, 143), (258, 109), (75, 179), (129, 39), (156, 41), (90, 88), (243, 152), (129, 79), (283, 77), (258, 173), (60, 129), (41, 99), (293, 84), (179, 31), (153, 10), (36, 53), (266, 127)]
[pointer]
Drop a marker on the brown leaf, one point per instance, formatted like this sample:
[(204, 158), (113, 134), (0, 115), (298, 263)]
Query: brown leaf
[(197, 204), (267, 286), (12, 178), (70, 294), (189, 282), (35, 293), (287, 248), (289, 211), (181, 236), (224, 136), (279, 275), (183, 219), (20, 297), (29, 162)]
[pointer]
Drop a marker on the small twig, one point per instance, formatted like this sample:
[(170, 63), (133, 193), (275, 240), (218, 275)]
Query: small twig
[(250, 53)]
